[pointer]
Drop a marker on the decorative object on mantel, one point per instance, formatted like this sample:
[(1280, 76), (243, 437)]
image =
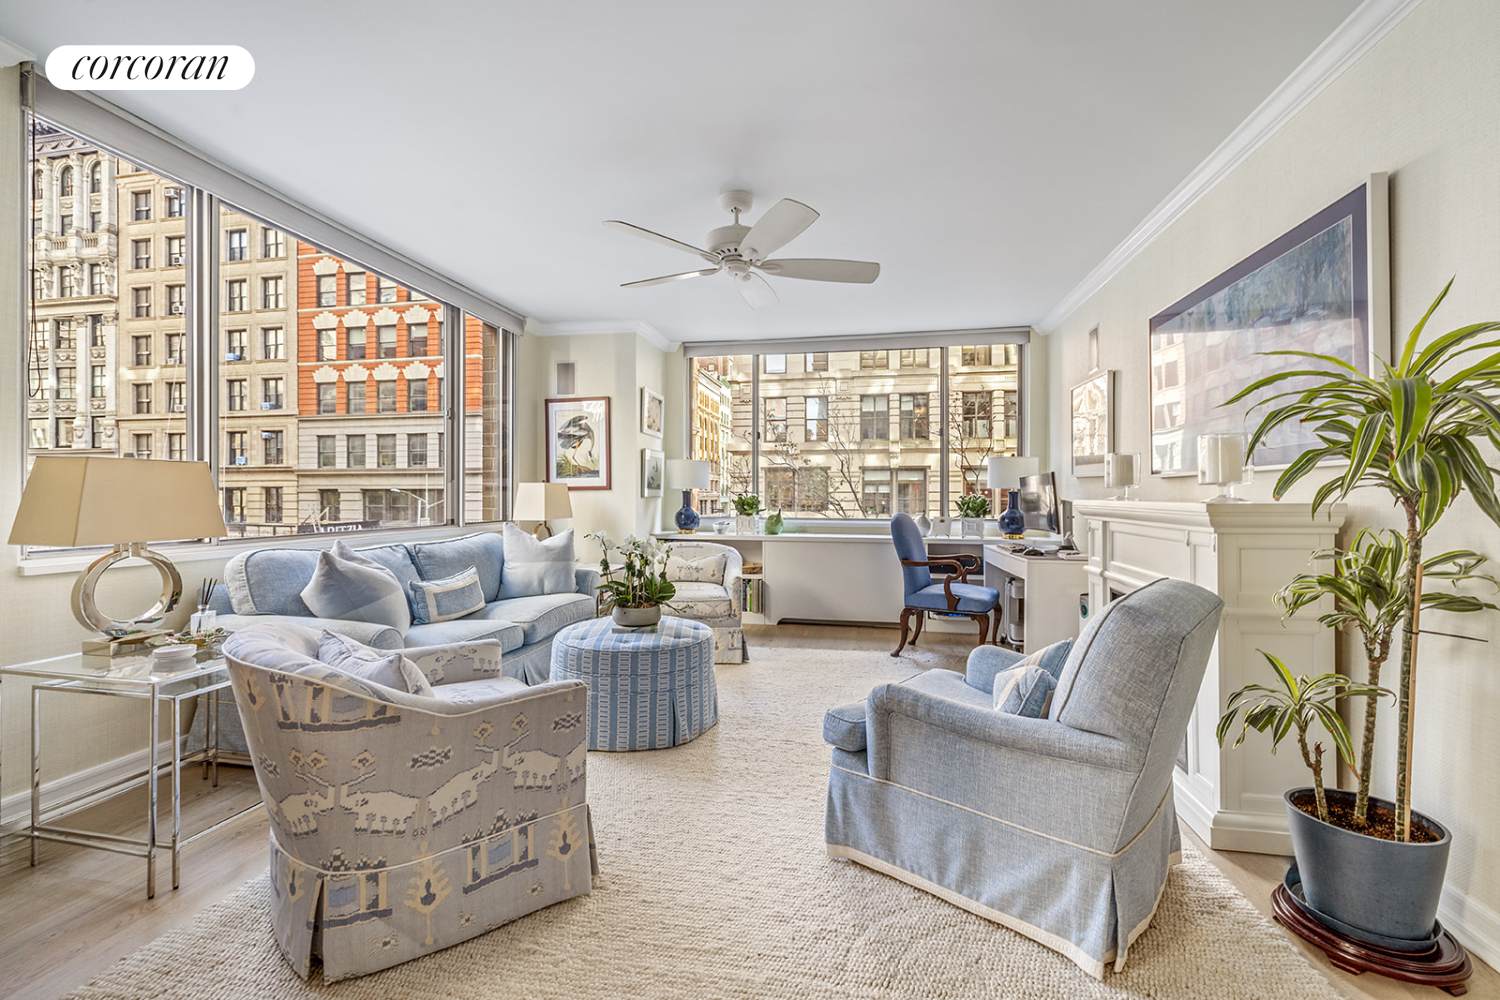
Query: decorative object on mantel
[(687, 474), (578, 442), (746, 506), (641, 588), (924, 524), (651, 472), (653, 406), (1221, 463), (1093, 425), (775, 523), (542, 502), (124, 502), (1322, 285), (1122, 472)]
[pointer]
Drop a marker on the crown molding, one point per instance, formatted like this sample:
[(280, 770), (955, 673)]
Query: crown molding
[(1340, 50), (589, 328)]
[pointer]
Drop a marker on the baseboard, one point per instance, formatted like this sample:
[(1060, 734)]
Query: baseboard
[(1475, 925), (94, 783)]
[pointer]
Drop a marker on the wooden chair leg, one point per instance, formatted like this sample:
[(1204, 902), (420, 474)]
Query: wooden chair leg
[(995, 633), (984, 626), (919, 617), (905, 623)]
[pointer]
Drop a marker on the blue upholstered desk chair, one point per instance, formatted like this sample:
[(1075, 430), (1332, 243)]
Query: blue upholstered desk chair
[(1060, 828), (952, 593)]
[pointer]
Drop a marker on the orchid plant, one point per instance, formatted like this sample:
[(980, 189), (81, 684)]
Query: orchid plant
[(642, 582)]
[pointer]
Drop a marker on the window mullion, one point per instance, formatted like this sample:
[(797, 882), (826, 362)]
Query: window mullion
[(943, 449), (201, 313), (453, 413)]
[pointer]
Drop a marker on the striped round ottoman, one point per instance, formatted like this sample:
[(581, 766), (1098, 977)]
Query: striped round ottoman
[(647, 690)]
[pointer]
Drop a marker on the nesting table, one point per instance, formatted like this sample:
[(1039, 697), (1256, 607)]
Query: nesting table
[(647, 690)]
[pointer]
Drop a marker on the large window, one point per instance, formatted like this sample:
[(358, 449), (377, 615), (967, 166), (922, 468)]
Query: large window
[(818, 438)]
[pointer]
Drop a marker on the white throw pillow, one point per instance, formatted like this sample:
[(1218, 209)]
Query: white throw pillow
[(354, 657), (537, 566), (351, 587), (704, 569)]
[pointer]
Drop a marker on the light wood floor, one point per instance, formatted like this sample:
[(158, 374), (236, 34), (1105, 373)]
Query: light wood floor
[(80, 911)]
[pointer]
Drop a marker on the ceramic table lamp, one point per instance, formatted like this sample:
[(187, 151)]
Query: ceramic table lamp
[(1004, 473), (687, 474), (542, 502)]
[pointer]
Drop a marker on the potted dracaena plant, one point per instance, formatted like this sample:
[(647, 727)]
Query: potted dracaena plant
[(1410, 430)]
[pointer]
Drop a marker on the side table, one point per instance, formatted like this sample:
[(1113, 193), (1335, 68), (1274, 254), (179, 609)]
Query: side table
[(129, 677)]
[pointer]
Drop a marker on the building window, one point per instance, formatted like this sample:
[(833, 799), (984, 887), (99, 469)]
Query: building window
[(62, 432), (416, 450), (817, 362), (96, 432), (236, 449), (175, 343), (67, 283), (776, 418), (328, 290), (96, 330), (175, 251), (67, 383), (176, 300), (140, 206), (96, 177), (328, 345), (173, 198), (774, 364), (65, 183), (914, 357), (65, 224), (356, 287), (140, 254), (817, 418), (271, 393), (385, 397), (416, 340), (914, 415), (272, 244), (385, 289), (273, 445), (976, 414), (355, 339), (911, 491), (234, 504), (970, 357), (96, 219), (328, 505), (355, 398), (1010, 411), (234, 345), (96, 279), (875, 492), (64, 335), (385, 341), (176, 397), (273, 343), (874, 418), (236, 394), (142, 445), (234, 297), (416, 396), (328, 398), (142, 350), (273, 293), (781, 489), (176, 446), (874, 359), (354, 451), (327, 445), (273, 504), (239, 244), (96, 382), (385, 451)]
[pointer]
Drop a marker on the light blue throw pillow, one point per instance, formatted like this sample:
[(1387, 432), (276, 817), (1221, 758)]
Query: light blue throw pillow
[(355, 658), (536, 566), (844, 727), (443, 600), (1024, 689), (348, 586)]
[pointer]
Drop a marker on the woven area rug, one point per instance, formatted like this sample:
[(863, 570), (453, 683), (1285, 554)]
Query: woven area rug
[(715, 884)]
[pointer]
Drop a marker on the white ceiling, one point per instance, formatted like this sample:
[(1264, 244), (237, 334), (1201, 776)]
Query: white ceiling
[(987, 153)]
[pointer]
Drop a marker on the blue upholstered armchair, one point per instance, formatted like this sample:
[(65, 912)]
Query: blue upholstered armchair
[(952, 594), (1061, 828)]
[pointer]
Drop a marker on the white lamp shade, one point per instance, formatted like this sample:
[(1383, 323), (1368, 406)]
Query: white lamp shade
[(1005, 472), (542, 502), (72, 500), (687, 473)]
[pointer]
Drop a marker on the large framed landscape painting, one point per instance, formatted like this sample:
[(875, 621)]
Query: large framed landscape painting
[(1321, 287), (578, 442)]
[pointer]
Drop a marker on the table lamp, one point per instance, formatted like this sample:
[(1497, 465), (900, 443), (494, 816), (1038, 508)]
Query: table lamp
[(123, 502), (1122, 471), (542, 502), (1221, 463), (687, 474), (1004, 473)]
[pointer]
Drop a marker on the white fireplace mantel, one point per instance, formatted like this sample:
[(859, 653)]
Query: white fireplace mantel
[(1244, 552)]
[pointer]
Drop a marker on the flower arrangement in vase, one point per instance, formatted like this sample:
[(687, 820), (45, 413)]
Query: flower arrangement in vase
[(642, 589)]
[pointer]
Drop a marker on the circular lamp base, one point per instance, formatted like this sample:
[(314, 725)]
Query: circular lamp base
[(86, 609)]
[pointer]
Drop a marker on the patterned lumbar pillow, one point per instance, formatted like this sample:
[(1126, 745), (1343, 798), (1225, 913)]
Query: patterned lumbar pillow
[(353, 657), (353, 587), (1025, 689), (704, 569), (451, 597), (536, 566)]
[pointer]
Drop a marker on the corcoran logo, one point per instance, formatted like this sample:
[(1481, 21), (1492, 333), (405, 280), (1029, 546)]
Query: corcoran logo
[(150, 67)]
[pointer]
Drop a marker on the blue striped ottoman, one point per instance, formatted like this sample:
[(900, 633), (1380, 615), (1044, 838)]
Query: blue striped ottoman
[(647, 690)]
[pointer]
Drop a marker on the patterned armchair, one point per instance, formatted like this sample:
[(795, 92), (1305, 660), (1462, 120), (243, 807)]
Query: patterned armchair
[(708, 578), (1061, 828), (403, 823)]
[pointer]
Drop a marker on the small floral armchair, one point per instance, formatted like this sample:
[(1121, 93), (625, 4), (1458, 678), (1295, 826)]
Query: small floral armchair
[(708, 579), (403, 823)]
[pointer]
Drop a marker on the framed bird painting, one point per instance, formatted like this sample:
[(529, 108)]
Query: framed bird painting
[(578, 442)]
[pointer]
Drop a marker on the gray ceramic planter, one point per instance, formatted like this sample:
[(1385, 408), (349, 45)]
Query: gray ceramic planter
[(637, 617), (1386, 889)]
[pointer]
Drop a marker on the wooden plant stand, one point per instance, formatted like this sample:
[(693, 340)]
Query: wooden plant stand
[(1445, 965)]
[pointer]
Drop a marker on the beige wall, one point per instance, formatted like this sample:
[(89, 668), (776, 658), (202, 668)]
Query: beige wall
[(1422, 105)]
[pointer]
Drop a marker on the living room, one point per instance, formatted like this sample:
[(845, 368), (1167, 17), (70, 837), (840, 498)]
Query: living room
[(1088, 211)]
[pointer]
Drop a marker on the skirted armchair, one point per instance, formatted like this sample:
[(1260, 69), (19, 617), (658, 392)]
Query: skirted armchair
[(404, 823), (951, 594), (1061, 828), (707, 577)]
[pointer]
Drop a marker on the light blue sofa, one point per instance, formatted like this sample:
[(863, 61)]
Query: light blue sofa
[(264, 586), (1061, 828)]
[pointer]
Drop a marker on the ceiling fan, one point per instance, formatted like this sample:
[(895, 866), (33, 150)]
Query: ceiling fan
[(741, 251)]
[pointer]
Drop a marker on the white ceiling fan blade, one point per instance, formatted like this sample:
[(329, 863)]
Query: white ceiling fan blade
[(777, 228), (755, 290), (671, 277), (626, 227), (823, 269)]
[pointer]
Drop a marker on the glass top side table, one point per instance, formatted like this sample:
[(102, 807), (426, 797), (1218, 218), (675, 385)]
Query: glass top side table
[(131, 677)]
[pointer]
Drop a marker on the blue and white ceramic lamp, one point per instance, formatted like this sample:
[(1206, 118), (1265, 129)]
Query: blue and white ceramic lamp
[(687, 474)]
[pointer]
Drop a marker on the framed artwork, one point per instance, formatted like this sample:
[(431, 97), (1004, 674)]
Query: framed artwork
[(1321, 287), (578, 442), (652, 465), (1093, 427), (652, 407)]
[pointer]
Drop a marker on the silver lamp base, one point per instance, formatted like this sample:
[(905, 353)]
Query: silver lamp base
[(113, 632)]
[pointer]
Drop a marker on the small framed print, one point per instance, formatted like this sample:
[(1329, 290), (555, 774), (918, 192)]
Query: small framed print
[(1093, 432), (652, 465), (578, 442), (652, 408)]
